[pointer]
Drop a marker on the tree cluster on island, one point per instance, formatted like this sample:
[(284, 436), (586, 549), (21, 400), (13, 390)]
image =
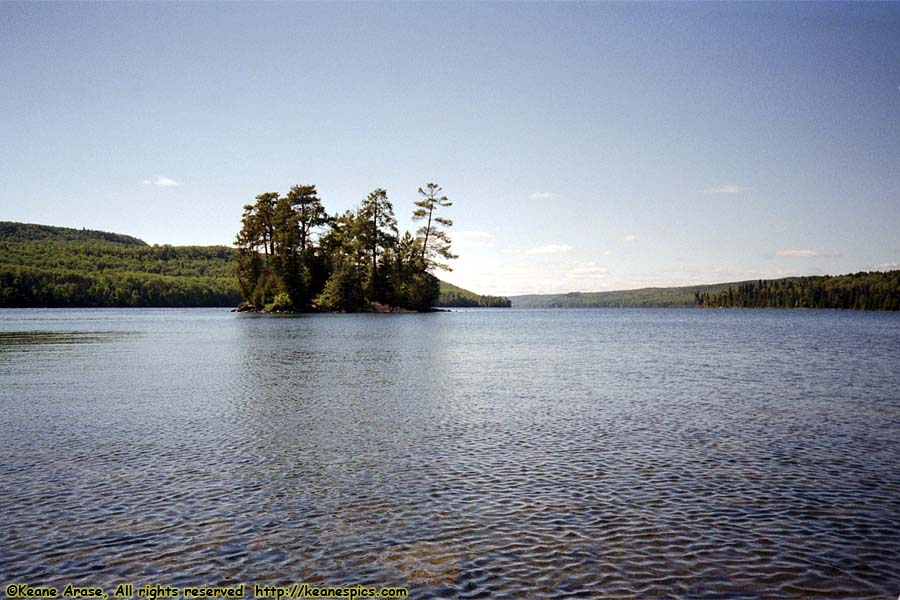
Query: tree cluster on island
[(293, 256)]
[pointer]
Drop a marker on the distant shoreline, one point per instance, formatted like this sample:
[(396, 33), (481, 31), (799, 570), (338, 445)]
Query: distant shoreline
[(43, 266)]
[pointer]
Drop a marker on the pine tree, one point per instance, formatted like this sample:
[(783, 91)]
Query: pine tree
[(378, 233), (435, 241)]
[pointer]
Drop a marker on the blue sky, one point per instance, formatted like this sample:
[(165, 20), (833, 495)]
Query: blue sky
[(586, 146)]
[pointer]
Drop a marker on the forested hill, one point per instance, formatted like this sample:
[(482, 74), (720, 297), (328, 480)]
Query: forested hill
[(857, 291), (47, 266), (454, 296), (656, 297), (30, 232)]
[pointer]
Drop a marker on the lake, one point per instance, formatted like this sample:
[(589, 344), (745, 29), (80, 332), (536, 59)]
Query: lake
[(483, 453)]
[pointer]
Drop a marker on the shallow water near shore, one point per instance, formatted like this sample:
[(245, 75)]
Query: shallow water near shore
[(482, 453)]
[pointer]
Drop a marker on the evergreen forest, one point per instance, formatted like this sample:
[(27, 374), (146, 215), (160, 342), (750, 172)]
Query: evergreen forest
[(457, 297), (858, 291), (293, 256), (45, 266)]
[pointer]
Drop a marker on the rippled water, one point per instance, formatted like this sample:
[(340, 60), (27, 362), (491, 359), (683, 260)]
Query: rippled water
[(505, 453)]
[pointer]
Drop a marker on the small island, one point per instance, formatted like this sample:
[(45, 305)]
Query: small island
[(294, 257)]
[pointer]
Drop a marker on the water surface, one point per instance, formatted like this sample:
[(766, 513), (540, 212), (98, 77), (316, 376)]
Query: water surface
[(482, 453)]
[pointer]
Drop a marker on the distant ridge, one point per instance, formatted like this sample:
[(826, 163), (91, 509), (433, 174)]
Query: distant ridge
[(11, 231), (650, 297), (47, 266), (858, 291), (455, 296)]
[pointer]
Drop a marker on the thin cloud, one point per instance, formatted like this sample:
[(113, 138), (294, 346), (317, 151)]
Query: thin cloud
[(558, 273), (797, 253), (161, 181), (631, 238), (726, 189), (471, 235), (589, 269), (550, 249), (472, 239), (544, 195)]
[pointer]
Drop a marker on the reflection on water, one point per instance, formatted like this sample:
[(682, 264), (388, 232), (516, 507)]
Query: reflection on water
[(607, 453), (22, 341)]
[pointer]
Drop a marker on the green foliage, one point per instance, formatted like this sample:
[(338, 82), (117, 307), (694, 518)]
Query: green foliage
[(30, 232), (26, 287), (347, 262), (309, 211), (45, 266), (676, 297), (858, 291), (344, 290), (421, 291), (281, 303), (457, 297), (494, 301), (377, 233), (435, 241), (264, 290)]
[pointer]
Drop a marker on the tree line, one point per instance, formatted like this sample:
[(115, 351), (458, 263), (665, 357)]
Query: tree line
[(93, 256), (24, 287), (457, 297), (456, 300), (293, 256), (858, 291), (14, 232), (46, 266)]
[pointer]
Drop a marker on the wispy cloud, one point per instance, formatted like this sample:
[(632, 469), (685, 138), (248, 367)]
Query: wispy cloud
[(554, 273), (544, 195), (161, 181), (797, 253), (546, 249), (589, 269), (631, 238), (550, 249), (726, 189), (472, 239)]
